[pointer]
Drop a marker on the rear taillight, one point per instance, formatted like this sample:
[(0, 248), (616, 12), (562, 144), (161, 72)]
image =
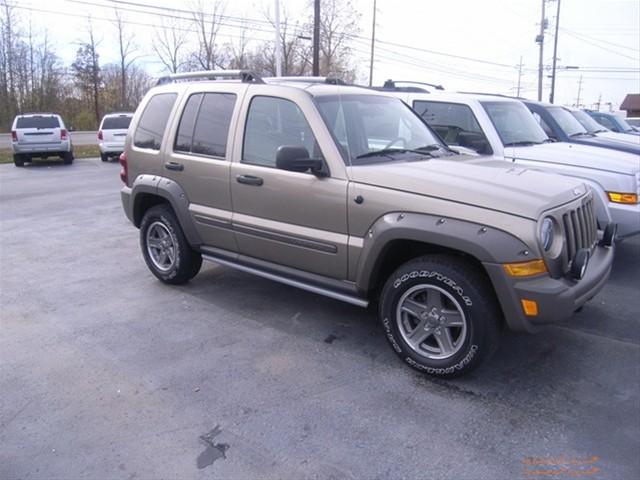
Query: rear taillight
[(14, 135), (99, 134), (63, 134), (124, 171)]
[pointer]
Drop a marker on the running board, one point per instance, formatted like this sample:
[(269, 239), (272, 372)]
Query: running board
[(343, 297)]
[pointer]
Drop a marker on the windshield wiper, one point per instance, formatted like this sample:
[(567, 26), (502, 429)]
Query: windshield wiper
[(436, 146), (521, 143), (581, 134), (387, 152)]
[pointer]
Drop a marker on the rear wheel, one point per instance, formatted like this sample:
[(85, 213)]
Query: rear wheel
[(18, 160), (104, 157), (439, 315), (67, 158), (165, 248)]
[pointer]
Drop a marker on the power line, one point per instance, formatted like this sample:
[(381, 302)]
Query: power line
[(617, 45)]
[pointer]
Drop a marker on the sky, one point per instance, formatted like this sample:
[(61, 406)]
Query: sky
[(465, 45)]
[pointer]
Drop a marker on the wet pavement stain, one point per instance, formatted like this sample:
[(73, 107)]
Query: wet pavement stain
[(214, 451)]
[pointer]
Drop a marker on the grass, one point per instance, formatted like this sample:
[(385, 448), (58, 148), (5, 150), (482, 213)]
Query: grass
[(79, 151)]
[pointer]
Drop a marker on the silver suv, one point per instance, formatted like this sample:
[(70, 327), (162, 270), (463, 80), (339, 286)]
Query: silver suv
[(347, 193), (40, 135), (112, 134)]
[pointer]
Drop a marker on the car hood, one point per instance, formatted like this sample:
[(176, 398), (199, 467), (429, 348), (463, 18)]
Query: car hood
[(613, 144), (500, 186), (620, 137), (585, 156)]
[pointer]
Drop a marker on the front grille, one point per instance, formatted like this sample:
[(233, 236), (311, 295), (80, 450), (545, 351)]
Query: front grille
[(580, 228)]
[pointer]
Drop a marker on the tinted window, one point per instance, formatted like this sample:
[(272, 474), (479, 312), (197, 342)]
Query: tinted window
[(154, 120), (212, 124), (587, 122), (37, 122), (455, 123), (271, 123), (606, 122), (204, 126), (116, 123), (568, 123), (184, 137)]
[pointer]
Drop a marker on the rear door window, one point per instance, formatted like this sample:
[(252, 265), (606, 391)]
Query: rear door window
[(116, 123), (204, 126), (38, 122), (153, 122)]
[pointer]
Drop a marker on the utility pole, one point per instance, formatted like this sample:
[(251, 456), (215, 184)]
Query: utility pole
[(373, 42), (599, 102), (520, 65), (540, 41), (579, 91), (555, 56), (316, 38), (278, 42)]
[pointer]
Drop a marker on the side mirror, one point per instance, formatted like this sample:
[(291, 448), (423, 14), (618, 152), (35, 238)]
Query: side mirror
[(296, 159)]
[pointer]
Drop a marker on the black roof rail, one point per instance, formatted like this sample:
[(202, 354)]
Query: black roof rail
[(327, 80), (246, 76), (392, 85)]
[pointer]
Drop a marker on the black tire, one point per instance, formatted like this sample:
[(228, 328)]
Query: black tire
[(104, 157), (186, 262), (67, 158), (464, 296), (18, 160)]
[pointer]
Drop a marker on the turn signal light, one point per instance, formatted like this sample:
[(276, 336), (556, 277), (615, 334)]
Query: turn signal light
[(525, 269), (530, 307), (628, 198)]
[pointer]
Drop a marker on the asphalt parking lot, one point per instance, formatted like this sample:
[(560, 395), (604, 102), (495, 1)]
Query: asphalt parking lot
[(107, 373)]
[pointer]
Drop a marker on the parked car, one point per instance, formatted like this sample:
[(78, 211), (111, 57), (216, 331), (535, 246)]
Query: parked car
[(594, 127), (560, 125), (613, 122), (112, 134), (345, 192), (503, 128), (40, 135)]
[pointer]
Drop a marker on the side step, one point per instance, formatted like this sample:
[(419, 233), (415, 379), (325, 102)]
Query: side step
[(343, 297)]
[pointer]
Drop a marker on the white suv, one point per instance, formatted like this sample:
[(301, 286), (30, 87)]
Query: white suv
[(41, 135), (112, 134), (503, 128)]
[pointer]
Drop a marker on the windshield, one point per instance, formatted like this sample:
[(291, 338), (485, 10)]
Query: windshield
[(363, 125), (515, 123), (624, 126), (116, 123), (567, 122), (587, 122), (37, 122)]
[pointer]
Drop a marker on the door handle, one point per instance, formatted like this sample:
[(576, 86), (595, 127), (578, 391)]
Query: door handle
[(174, 166), (249, 180)]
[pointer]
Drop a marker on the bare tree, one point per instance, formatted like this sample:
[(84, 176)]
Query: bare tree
[(87, 72), (126, 49), (207, 23), (339, 22), (170, 40)]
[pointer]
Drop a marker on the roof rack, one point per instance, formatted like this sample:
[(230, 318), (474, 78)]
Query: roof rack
[(246, 76), (392, 85), (327, 80)]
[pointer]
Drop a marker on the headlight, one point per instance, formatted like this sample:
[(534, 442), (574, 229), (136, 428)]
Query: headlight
[(547, 233)]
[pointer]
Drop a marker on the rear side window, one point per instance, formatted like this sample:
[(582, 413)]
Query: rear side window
[(116, 123), (204, 126), (37, 122), (154, 120)]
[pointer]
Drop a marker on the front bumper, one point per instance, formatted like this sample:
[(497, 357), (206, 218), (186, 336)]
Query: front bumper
[(627, 217), (557, 298)]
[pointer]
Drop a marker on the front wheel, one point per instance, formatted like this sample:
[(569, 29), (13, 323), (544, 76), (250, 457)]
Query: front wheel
[(165, 248), (439, 315)]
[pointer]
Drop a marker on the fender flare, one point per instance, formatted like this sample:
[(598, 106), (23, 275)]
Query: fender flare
[(174, 194), (484, 243)]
